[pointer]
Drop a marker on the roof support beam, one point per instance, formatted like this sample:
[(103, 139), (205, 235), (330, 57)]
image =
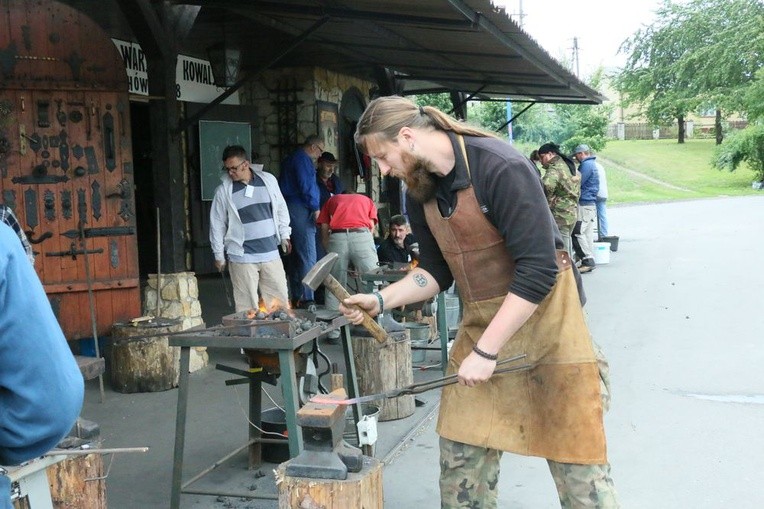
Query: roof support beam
[(188, 122), (479, 20), (505, 124), (278, 8)]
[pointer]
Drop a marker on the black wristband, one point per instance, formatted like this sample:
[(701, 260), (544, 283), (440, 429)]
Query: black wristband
[(485, 355), (380, 300)]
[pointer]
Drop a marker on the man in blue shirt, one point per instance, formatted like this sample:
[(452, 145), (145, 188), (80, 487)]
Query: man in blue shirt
[(300, 190), (42, 388), (587, 207)]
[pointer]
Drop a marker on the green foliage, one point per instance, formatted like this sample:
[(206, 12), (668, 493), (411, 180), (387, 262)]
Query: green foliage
[(490, 115), (754, 97), (746, 146), (441, 101), (694, 52)]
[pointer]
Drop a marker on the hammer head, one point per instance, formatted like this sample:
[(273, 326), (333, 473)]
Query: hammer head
[(320, 271)]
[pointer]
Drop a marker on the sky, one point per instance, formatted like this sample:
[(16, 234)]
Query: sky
[(600, 26)]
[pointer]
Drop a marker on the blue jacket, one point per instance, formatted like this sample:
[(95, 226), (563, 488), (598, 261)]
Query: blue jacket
[(42, 388), (298, 180), (339, 188), (590, 181)]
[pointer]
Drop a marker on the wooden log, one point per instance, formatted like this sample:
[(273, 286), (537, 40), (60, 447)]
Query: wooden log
[(146, 364), (70, 487), (361, 489), (381, 367)]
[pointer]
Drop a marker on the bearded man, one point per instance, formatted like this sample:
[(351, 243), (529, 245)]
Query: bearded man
[(479, 212)]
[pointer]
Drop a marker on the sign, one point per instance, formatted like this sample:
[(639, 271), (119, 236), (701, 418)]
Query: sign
[(193, 76), (327, 118)]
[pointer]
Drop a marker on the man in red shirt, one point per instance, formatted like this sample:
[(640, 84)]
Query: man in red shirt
[(347, 222)]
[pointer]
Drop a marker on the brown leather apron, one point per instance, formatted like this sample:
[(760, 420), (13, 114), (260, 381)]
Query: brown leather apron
[(553, 410)]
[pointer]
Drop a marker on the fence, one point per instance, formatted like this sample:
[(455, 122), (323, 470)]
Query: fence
[(644, 131)]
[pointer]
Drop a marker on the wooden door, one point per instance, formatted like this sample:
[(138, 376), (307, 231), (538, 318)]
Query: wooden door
[(67, 165)]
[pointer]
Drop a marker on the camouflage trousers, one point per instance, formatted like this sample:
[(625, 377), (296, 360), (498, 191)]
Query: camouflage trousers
[(469, 475), (469, 478)]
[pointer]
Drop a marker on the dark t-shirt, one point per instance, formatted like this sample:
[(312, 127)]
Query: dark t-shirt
[(389, 252), (510, 195)]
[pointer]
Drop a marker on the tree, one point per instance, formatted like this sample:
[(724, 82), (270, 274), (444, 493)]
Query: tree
[(441, 101), (743, 146), (701, 51)]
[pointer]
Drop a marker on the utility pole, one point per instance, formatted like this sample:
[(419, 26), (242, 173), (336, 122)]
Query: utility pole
[(521, 14), (575, 56)]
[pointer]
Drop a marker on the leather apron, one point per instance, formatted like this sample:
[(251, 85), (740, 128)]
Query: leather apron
[(553, 410)]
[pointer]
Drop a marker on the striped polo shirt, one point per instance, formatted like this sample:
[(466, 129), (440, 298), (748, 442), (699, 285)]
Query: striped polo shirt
[(256, 214)]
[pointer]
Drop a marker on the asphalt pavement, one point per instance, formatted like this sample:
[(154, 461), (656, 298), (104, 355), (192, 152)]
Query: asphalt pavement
[(678, 312)]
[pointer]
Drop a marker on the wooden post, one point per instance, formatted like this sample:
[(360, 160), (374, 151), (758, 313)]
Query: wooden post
[(383, 367), (362, 489)]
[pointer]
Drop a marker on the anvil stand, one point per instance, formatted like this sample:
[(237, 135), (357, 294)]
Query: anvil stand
[(381, 275), (285, 348)]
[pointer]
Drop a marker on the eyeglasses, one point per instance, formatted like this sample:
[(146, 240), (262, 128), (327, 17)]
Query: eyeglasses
[(233, 168), (320, 148)]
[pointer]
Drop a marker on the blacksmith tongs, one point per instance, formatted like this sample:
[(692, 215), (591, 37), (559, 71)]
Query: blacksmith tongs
[(418, 387)]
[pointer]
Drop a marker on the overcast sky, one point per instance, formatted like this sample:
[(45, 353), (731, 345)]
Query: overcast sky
[(600, 26)]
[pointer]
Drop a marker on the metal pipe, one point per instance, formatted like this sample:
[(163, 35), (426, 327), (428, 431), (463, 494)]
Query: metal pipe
[(159, 267), (91, 303)]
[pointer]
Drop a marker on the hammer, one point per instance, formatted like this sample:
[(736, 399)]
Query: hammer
[(321, 273)]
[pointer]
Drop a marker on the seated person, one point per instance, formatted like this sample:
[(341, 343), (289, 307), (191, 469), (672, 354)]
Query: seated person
[(399, 246)]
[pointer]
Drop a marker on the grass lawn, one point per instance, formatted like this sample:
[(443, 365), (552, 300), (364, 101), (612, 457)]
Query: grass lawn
[(687, 166)]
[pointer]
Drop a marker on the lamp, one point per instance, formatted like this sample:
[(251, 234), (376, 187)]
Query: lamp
[(225, 62)]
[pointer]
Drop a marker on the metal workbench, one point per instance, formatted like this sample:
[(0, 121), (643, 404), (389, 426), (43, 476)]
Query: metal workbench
[(285, 347)]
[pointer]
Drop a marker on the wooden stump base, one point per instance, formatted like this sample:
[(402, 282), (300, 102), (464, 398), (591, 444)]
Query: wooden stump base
[(143, 365), (69, 484), (381, 367), (362, 489)]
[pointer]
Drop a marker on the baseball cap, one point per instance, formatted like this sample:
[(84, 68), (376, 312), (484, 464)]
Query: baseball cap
[(582, 148), (327, 157)]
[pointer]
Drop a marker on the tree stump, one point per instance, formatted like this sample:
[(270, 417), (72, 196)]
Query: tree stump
[(362, 489), (69, 484), (381, 367), (145, 364)]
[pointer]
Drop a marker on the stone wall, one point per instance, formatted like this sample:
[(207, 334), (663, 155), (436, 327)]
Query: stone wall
[(311, 85), (179, 299)]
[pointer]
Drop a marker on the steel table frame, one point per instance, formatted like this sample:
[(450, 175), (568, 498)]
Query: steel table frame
[(285, 348)]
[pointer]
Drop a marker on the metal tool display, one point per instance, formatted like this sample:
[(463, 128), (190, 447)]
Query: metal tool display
[(321, 273), (417, 387)]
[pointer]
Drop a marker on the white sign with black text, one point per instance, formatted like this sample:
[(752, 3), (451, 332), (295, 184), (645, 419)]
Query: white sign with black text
[(194, 79)]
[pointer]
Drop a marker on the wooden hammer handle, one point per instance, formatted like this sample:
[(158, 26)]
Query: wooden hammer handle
[(369, 323)]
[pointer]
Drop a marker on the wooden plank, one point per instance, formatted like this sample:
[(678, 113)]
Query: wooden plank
[(90, 367), (97, 286)]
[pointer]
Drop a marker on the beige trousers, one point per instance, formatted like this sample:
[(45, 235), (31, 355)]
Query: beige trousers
[(269, 278)]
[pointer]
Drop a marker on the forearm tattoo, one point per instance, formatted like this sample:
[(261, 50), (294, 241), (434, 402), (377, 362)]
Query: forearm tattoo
[(420, 280)]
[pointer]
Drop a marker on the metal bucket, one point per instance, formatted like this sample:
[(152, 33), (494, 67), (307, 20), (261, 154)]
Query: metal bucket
[(420, 337)]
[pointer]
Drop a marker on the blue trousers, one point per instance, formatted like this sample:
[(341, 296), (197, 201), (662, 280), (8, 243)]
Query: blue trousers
[(602, 218), (303, 249)]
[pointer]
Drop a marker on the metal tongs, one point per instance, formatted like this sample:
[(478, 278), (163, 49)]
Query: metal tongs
[(418, 387)]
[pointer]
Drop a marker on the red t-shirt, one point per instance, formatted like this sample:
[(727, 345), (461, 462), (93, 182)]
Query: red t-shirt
[(343, 211)]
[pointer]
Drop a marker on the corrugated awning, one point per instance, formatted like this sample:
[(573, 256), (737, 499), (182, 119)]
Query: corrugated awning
[(424, 46)]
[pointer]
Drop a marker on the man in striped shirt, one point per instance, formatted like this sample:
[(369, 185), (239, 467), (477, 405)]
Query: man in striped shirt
[(8, 217), (249, 220)]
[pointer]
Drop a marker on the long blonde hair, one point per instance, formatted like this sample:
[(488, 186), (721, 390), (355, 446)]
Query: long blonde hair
[(385, 116)]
